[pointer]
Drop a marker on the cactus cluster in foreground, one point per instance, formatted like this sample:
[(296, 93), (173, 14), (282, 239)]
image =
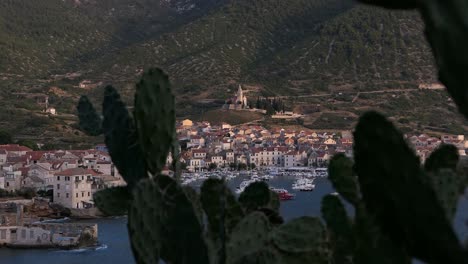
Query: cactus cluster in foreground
[(402, 211), (174, 223), (412, 208)]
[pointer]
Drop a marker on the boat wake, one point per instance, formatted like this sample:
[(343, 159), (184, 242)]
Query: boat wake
[(101, 247), (53, 220), (88, 249)]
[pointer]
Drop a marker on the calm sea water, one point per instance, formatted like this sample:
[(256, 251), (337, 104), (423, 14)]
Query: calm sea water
[(115, 246)]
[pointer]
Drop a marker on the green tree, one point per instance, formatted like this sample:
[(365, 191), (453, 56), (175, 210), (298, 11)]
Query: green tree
[(5, 137), (28, 143), (269, 108), (213, 166), (49, 146)]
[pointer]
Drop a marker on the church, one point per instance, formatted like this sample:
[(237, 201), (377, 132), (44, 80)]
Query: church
[(238, 102)]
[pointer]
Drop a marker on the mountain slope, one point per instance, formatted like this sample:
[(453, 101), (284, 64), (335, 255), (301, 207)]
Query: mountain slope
[(362, 47), (222, 45), (273, 47), (287, 47), (38, 37)]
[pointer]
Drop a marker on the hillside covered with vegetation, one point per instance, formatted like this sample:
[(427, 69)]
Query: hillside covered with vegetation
[(208, 47)]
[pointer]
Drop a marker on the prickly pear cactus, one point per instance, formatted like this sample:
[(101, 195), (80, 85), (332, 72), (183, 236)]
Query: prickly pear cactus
[(339, 228), (223, 213), (368, 244), (441, 167), (121, 138), (447, 183), (444, 157), (113, 201), (341, 174), (155, 117), (301, 240), (258, 197), (374, 246), (89, 120), (163, 224), (194, 198), (255, 196), (396, 191), (250, 236), (220, 206)]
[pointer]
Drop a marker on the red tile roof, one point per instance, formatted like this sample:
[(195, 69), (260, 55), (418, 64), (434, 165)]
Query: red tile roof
[(14, 147), (35, 155)]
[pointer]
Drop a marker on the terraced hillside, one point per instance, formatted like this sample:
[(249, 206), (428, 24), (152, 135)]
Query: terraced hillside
[(38, 38), (208, 47), (288, 47), (366, 48), (228, 42)]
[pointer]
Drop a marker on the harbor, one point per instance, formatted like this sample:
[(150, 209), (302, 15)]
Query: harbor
[(114, 245)]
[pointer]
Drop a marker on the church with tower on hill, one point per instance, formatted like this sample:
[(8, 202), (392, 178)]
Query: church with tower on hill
[(238, 102)]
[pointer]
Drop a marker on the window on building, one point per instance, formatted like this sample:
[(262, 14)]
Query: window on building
[(58, 186), (67, 195), (8, 184), (58, 195), (82, 194), (31, 234), (58, 178), (23, 234), (89, 194), (76, 195), (3, 234)]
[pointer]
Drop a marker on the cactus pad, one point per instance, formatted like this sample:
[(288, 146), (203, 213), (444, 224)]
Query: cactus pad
[(162, 220), (218, 201), (121, 138), (395, 190), (447, 183), (334, 213), (302, 240), (256, 195), (444, 157), (341, 175), (250, 236), (339, 227), (194, 198), (155, 116)]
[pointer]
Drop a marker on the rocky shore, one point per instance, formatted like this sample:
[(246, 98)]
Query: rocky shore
[(38, 224)]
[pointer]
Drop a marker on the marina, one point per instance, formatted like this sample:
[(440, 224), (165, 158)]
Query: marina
[(114, 246)]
